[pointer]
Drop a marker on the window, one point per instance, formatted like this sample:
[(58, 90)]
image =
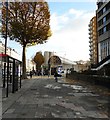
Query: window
[(108, 47), (104, 30), (100, 22), (100, 32), (108, 17), (104, 9), (108, 27), (108, 6), (100, 13), (104, 20)]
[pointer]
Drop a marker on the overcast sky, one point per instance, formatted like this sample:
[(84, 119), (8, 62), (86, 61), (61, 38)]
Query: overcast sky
[(69, 24)]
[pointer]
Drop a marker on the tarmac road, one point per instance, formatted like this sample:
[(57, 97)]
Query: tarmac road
[(42, 97)]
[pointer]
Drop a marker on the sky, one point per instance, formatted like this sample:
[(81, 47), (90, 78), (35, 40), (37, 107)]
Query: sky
[(69, 25)]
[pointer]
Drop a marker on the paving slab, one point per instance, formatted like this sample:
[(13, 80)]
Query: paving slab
[(44, 98)]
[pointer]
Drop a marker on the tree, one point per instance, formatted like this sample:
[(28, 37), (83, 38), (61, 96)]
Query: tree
[(38, 59), (28, 24)]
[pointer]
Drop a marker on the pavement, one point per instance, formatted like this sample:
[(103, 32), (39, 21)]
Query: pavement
[(43, 97)]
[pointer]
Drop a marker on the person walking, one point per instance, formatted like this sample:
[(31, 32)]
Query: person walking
[(56, 75), (30, 74), (48, 73)]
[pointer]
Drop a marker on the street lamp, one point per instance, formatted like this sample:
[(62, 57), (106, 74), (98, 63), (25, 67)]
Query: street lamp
[(6, 3)]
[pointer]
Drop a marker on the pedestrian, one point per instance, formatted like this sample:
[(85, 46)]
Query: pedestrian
[(56, 75), (30, 74), (48, 73)]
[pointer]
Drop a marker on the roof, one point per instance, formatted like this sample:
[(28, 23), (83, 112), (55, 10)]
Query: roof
[(5, 55)]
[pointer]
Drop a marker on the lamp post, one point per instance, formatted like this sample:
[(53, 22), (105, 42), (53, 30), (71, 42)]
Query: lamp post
[(6, 3)]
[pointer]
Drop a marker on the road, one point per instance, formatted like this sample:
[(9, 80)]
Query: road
[(42, 97)]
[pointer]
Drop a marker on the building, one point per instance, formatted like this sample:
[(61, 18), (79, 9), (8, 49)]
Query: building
[(93, 41), (11, 52), (81, 66), (30, 65), (64, 62), (103, 29), (47, 55)]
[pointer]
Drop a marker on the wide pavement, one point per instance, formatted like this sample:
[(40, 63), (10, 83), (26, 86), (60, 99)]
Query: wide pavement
[(42, 97)]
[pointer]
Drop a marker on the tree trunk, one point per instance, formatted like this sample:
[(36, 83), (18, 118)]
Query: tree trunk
[(24, 76)]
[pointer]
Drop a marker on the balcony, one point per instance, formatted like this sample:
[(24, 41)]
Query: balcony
[(89, 29), (90, 41), (89, 37), (89, 33), (91, 50)]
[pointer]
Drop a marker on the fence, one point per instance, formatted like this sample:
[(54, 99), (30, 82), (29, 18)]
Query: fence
[(93, 79)]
